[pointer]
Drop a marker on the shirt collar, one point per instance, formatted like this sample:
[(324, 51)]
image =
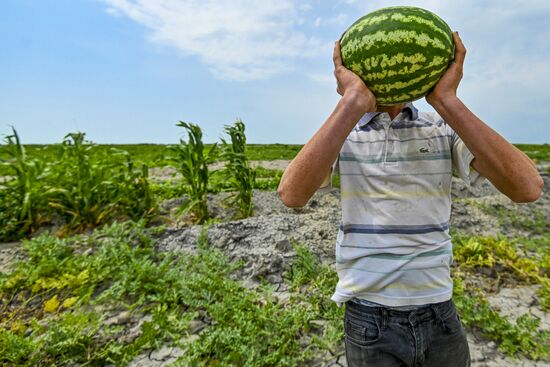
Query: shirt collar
[(369, 116)]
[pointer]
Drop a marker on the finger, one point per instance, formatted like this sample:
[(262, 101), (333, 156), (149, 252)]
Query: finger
[(460, 50), (337, 57)]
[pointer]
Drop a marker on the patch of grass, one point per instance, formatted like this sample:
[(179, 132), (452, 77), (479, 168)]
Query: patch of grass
[(520, 338), (156, 155), (502, 256), (269, 152), (88, 190), (72, 187), (537, 152), (537, 225), (313, 283), (267, 179), (55, 303)]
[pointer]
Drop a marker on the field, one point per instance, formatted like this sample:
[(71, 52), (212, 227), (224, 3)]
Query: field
[(108, 259), (154, 155)]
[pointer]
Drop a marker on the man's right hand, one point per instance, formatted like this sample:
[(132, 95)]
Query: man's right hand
[(350, 83)]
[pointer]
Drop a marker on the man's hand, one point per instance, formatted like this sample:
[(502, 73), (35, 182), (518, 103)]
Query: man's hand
[(350, 83), (448, 84)]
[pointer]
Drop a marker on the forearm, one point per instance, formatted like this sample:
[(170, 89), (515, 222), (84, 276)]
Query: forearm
[(509, 169), (306, 172)]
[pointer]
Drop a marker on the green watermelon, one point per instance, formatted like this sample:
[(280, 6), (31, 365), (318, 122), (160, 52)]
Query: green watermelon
[(400, 52)]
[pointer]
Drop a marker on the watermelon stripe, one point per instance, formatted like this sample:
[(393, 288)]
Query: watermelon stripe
[(407, 95), (405, 72), (397, 38), (412, 85), (414, 18), (400, 15), (392, 79), (438, 22), (434, 18), (378, 62)]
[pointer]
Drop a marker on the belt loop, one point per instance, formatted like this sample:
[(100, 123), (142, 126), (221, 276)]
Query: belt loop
[(384, 314)]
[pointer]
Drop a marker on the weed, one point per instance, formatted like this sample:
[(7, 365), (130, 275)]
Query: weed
[(89, 189), (23, 199), (523, 337), (511, 218), (498, 253), (192, 162), (238, 170)]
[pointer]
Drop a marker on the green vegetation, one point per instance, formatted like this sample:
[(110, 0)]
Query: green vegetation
[(537, 152), (152, 155), (77, 185), (502, 259), (54, 305), (522, 337), (241, 176), (538, 225), (58, 304), (76, 189), (98, 186), (156, 155), (192, 162), (22, 199)]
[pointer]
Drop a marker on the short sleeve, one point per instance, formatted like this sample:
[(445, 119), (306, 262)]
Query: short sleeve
[(327, 182), (462, 159)]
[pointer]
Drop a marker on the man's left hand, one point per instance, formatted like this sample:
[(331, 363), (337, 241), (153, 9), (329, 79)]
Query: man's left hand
[(448, 84)]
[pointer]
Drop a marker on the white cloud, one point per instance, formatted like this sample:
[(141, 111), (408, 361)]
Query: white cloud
[(237, 39), (340, 20), (318, 21)]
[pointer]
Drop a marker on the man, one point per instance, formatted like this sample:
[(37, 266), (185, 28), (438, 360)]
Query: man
[(393, 250)]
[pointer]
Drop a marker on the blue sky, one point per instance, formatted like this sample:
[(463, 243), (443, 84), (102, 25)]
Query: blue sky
[(126, 71)]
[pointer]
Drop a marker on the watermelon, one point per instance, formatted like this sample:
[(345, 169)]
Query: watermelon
[(400, 52)]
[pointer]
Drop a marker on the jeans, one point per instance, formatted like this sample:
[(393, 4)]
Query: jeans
[(430, 336)]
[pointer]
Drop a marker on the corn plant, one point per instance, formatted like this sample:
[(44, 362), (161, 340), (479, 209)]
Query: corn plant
[(192, 162), (238, 169), (23, 201), (93, 187), (135, 196), (81, 192)]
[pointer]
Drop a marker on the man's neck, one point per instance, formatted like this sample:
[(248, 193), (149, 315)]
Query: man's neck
[(393, 111)]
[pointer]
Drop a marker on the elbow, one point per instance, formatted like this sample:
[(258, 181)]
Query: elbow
[(530, 194), (290, 200)]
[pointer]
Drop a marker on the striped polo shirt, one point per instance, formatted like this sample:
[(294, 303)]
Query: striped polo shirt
[(393, 245)]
